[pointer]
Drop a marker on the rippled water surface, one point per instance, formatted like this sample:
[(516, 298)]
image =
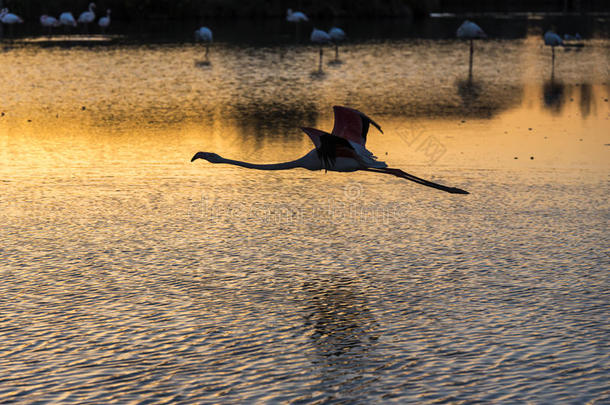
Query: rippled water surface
[(129, 274)]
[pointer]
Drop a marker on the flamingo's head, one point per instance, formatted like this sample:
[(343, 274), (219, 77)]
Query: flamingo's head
[(209, 156)]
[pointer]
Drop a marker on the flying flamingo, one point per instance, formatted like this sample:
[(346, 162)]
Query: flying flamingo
[(87, 17), (551, 39), (49, 22), (343, 150), (337, 35), (104, 22), (67, 20), (204, 34), (320, 37), (471, 31)]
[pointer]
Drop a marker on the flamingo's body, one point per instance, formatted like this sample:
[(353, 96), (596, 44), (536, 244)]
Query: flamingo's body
[(470, 30), (552, 39), (296, 16), (104, 22), (204, 34), (343, 150), (9, 18), (67, 19), (88, 16), (320, 37), (49, 22)]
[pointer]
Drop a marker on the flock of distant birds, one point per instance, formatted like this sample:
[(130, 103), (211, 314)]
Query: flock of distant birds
[(468, 30), (65, 19)]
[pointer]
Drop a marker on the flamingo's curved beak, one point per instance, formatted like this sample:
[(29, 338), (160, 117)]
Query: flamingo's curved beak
[(197, 155)]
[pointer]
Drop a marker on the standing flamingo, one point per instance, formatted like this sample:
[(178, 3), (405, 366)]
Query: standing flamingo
[(337, 35), (296, 16), (49, 22), (320, 37), (104, 22), (471, 31), (552, 39), (343, 150), (67, 20), (204, 34), (9, 18), (87, 17)]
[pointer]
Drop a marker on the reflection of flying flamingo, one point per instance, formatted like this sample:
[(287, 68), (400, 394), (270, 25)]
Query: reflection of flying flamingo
[(471, 31), (551, 39), (337, 35), (320, 37), (204, 34), (343, 150), (104, 22), (87, 17)]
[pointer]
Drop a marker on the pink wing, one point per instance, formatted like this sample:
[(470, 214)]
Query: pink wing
[(352, 125), (315, 135)]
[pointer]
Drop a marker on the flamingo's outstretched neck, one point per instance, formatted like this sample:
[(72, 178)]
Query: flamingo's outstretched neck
[(303, 162)]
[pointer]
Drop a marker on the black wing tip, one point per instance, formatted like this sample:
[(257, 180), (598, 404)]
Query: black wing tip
[(455, 190)]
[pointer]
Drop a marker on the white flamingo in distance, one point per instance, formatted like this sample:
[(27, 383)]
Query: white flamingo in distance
[(552, 39), (87, 17), (336, 35), (49, 22), (204, 34), (67, 20), (320, 37), (9, 18), (296, 16), (343, 150), (104, 22), (469, 30)]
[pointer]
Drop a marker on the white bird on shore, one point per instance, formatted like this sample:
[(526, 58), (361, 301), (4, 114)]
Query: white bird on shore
[(296, 16), (88, 16), (104, 22), (204, 34), (320, 37), (337, 35), (343, 150)]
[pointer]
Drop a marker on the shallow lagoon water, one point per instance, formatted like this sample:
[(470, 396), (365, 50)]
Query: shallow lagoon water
[(130, 274)]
